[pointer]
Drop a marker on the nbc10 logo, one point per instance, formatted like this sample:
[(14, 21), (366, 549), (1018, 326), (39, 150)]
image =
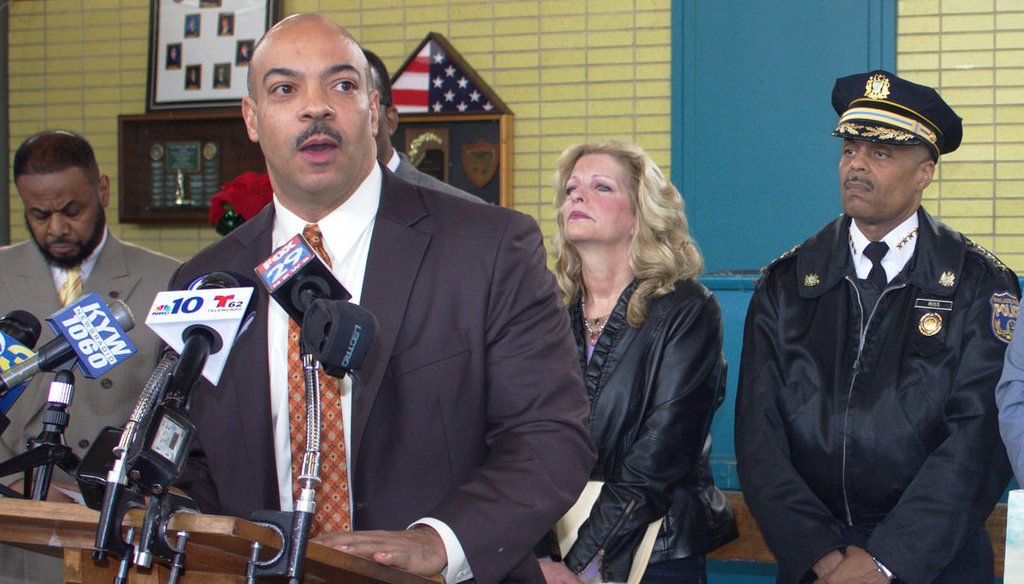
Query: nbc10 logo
[(193, 304)]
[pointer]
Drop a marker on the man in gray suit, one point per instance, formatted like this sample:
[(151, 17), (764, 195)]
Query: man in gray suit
[(387, 122), (71, 251)]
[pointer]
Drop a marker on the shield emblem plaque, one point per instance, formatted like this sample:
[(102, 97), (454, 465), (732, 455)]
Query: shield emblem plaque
[(480, 161)]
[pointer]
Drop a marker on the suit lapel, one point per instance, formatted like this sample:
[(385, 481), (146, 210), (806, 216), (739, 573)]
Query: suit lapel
[(29, 282), (112, 270), (401, 233), (253, 405)]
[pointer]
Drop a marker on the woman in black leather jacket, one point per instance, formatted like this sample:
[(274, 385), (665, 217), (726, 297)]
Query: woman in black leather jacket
[(650, 346)]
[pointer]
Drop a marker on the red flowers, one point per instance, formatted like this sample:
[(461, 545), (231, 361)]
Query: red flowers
[(240, 200)]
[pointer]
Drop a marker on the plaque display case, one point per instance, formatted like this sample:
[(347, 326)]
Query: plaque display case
[(171, 163)]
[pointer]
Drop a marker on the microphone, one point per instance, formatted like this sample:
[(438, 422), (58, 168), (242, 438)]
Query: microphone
[(204, 322), (111, 496), (219, 308), (19, 332), (201, 324), (295, 276), (300, 282), (339, 334), (86, 329), (22, 326)]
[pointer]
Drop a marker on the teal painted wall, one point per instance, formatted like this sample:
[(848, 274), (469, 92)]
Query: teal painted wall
[(752, 150)]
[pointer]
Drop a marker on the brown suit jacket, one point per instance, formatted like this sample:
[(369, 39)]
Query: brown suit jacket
[(470, 408)]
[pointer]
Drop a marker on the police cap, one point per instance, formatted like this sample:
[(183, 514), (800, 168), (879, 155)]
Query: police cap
[(881, 107)]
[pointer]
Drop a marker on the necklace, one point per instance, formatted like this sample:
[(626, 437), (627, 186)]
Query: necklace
[(594, 326)]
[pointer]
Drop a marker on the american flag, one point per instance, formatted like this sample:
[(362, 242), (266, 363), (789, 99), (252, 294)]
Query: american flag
[(433, 83)]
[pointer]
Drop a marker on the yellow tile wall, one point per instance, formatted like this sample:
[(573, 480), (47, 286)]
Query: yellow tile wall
[(972, 52), (570, 71)]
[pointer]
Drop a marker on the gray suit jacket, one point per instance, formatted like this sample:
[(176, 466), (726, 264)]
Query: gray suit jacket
[(122, 271), (410, 173)]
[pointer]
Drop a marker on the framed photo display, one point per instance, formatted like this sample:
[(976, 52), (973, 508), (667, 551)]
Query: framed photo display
[(199, 50)]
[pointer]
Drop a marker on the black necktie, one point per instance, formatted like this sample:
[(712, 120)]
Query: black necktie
[(875, 251)]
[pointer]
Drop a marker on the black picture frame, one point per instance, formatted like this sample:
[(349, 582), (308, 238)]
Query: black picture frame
[(186, 38)]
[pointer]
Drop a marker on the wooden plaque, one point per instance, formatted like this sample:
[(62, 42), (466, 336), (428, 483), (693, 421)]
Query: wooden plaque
[(172, 163)]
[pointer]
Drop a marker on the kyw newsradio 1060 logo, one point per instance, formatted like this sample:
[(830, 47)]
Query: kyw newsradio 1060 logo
[(94, 334)]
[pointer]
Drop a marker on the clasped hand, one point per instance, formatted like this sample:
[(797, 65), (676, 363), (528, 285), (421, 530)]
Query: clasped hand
[(856, 566)]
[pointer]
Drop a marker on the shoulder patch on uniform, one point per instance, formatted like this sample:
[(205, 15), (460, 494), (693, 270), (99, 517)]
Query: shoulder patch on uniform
[(1005, 310), (972, 246), (792, 250)]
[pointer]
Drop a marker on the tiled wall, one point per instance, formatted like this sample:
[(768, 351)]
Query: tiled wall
[(570, 71), (972, 51)]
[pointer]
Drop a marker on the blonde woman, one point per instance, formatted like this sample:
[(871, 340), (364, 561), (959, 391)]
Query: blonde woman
[(650, 346)]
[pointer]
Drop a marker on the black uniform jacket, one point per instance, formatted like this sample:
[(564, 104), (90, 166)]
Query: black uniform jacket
[(653, 391), (893, 431)]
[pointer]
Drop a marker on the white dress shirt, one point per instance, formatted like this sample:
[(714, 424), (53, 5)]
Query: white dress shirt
[(902, 242), (394, 161)]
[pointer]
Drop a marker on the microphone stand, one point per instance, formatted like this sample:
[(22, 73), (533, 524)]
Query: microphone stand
[(155, 475), (50, 447), (118, 499), (294, 526)]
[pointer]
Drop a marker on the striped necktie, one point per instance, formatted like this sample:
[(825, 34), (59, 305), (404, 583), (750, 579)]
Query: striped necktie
[(72, 287)]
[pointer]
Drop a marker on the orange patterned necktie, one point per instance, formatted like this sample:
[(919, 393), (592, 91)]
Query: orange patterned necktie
[(332, 510)]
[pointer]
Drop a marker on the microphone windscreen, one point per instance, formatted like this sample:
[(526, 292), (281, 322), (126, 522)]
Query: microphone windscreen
[(339, 334), (22, 326), (221, 280)]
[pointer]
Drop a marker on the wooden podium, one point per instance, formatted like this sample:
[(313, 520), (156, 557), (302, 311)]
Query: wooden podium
[(217, 552)]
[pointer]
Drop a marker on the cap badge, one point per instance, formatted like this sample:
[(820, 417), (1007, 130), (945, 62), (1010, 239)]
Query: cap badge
[(947, 279), (877, 87), (930, 324), (811, 280)]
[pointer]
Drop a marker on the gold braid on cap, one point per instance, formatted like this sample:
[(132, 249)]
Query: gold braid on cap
[(875, 132)]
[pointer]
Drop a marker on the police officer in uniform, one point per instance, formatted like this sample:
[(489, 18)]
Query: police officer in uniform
[(866, 426)]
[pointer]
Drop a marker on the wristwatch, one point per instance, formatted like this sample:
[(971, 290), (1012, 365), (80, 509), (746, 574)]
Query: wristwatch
[(882, 569)]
